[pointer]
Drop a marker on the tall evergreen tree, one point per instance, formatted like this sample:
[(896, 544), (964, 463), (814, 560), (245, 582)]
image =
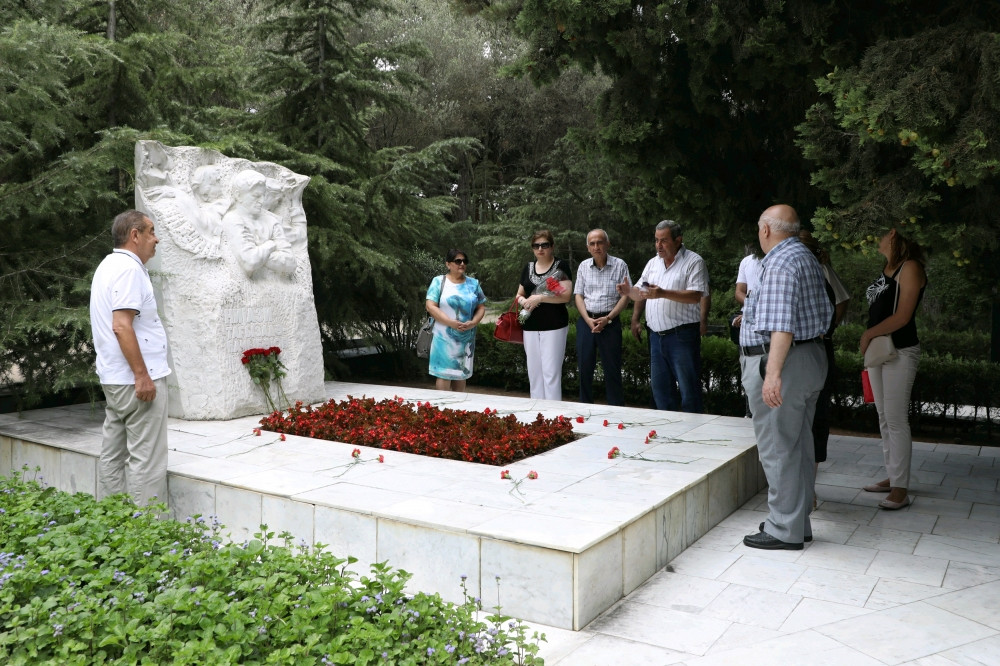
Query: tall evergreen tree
[(373, 211), (910, 135), (81, 80)]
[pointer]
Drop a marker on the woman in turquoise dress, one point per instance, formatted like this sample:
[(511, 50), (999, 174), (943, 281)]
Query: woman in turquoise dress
[(456, 302)]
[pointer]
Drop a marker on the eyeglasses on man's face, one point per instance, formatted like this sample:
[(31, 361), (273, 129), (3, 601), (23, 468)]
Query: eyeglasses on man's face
[(541, 246)]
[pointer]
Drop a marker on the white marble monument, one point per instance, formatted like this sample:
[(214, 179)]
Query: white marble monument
[(231, 273)]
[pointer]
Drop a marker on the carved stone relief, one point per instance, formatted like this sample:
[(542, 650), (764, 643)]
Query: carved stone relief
[(232, 272)]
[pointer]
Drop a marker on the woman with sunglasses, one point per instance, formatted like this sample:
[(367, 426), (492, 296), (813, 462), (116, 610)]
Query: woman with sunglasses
[(456, 302), (547, 321)]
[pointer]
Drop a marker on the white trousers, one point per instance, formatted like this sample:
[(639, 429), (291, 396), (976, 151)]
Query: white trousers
[(892, 384), (545, 351)]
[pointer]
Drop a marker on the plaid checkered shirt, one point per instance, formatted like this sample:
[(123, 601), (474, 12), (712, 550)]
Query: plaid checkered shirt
[(791, 298), (598, 284)]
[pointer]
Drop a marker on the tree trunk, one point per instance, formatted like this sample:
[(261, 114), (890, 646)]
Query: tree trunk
[(112, 26), (112, 20)]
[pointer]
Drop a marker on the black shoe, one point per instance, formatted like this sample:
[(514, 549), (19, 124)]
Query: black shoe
[(765, 541), (806, 539)]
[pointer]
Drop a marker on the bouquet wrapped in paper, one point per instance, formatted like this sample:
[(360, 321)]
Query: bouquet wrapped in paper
[(550, 285)]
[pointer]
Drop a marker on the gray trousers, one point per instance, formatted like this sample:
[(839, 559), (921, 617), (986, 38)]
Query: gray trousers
[(135, 436), (784, 438)]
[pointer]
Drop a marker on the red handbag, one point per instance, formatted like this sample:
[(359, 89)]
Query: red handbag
[(509, 327), (866, 387)]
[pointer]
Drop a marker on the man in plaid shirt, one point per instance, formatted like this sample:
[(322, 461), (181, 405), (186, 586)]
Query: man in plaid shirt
[(784, 366), (599, 328)]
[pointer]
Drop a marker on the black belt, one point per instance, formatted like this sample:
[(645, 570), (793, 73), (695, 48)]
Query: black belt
[(760, 350), (675, 329), (597, 315)]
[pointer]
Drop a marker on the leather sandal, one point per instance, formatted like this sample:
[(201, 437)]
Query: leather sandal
[(892, 506)]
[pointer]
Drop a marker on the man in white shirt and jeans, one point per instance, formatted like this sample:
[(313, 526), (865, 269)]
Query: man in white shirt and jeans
[(131, 347), (670, 291)]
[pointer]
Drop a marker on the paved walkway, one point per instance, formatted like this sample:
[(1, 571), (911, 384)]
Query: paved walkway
[(915, 586)]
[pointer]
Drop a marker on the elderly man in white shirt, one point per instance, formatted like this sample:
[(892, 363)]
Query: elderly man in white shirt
[(131, 347), (669, 292)]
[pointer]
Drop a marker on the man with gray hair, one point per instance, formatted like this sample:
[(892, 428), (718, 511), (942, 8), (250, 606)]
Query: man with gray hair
[(669, 292), (599, 329), (784, 366), (132, 365)]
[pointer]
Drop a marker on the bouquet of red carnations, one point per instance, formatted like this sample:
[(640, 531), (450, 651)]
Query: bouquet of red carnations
[(264, 366), (549, 285)]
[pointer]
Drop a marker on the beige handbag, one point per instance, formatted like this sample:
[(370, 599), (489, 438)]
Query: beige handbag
[(881, 349)]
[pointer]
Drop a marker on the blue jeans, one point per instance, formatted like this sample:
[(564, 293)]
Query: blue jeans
[(675, 362), (609, 344)]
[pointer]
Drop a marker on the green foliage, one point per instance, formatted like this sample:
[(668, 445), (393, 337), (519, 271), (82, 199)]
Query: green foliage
[(702, 95), (953, 373), (325, 76), (84, 582), (72, 80), (574, 194), (960, 345), (707, 103), (87, 79), (909, 136)]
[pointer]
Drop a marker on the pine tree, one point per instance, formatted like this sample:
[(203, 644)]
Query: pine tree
[(374, 219), (83, 81)]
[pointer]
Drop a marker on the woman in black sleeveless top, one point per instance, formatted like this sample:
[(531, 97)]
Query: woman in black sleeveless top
[(892, 304), (544, 316)]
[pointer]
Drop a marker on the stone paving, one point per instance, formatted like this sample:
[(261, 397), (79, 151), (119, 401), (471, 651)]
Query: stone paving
[(916, 586)]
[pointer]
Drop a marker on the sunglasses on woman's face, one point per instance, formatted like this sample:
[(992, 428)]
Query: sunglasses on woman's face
[(541, 246), (460, 261)]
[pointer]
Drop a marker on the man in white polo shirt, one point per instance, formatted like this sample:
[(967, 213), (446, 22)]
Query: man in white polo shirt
[(670, 291), (132, 365)]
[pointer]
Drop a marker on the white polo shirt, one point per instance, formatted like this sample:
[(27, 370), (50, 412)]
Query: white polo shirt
[(688, 272), (121, 282)]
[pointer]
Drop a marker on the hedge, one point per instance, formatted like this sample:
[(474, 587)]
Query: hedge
[(945, 386)]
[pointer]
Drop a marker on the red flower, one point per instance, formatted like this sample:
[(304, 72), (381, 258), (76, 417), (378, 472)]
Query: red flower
[(552, 284), (621, 426), (605, 423), (381, 459), (356, 453), (505, 474), (647, 441), (532, 474), (423, 429), (256, 431), (652, 433), (281, 436), (579, 419), (613, 453)]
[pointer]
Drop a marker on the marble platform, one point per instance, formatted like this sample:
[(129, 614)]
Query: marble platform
[(565, 547)]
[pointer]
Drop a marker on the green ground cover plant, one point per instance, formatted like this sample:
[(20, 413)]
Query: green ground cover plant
[(102, 582)]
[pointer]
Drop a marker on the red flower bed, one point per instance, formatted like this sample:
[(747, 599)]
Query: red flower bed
[(398, 425)]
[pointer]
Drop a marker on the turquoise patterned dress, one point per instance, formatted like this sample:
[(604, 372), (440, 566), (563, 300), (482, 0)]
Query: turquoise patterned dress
[(452, 351)]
